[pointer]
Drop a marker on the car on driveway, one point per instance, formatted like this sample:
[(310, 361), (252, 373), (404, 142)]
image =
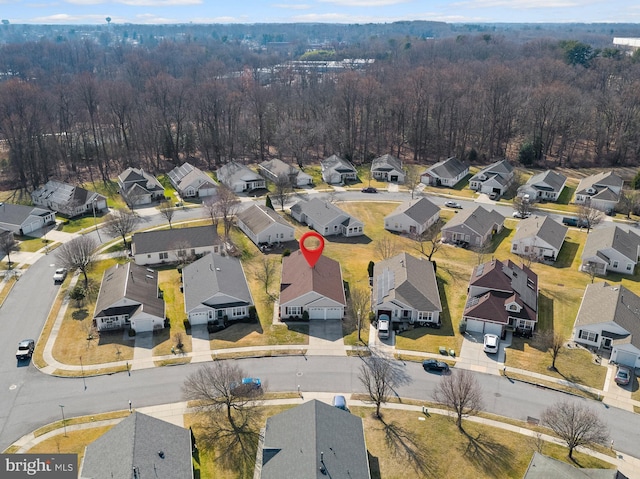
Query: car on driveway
[(453, 204), (59, 275), (435, 365), (25, 349), (491, 343), (340, 402), (369, 189), (623, 376)]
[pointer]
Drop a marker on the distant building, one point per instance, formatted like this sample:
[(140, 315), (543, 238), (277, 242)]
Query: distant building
[(630, 44)]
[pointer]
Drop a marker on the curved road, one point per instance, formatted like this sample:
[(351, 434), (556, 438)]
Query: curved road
[(29, 399)]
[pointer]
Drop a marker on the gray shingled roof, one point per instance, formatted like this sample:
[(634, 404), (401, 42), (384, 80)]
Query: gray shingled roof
[(386, 162), (298, 278), (135, 283), (542, 227), (154, 447), (258, 218), (414, 282), (217, 281), (276, 167), (501, 168), (168, 240), (545, 467), (187, 174), (625, 242), (479, 220), (137, 176), (299, 442), (233, 171), (338, 164), (320, 211), (604, 303), (449, 168), (65, 194), (599, 181), (16, 214), (547, 181), (420, 210)]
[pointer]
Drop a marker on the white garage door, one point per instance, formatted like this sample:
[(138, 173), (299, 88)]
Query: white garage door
[(493, 328), (475, 326), (626, 358), (325, 313)]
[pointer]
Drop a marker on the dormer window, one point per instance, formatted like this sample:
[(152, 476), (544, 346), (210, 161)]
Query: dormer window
[(515, 307)]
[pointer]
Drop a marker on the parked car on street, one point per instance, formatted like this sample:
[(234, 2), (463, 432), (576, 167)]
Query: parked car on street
[(25, 349), (435, 365), (59, 275), (491, 343), (520, 214), (369, 189), (247, 387), (623, 376), (453, 204)]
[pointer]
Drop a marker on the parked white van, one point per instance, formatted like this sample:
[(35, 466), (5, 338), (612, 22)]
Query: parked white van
[(383, 326)]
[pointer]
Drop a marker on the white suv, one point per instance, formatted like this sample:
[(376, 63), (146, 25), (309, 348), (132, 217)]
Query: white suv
[(491, 343)]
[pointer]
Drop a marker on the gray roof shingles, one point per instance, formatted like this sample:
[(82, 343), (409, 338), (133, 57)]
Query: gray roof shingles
[(542, 227), (169, 240), (479, 220), (420, 211), (624, 242), (258, 218), (449, 168)]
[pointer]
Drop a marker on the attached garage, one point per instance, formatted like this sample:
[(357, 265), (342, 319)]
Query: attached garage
[(325, 313), (493, 328), (484, 327), (625, 358)]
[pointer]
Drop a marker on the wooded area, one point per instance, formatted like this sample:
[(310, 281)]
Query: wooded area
[(82, 109)]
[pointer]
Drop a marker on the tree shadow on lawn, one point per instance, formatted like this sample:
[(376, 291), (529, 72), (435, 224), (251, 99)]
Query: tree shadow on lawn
[(567, 254), (404, 443), (80, 314), (486, 455), (236, 331)]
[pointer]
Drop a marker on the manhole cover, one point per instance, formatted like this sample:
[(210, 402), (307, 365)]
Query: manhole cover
[(12, 387), (298, 373), (497, 395)]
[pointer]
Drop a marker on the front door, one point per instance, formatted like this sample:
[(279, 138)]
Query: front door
[(606, 343)]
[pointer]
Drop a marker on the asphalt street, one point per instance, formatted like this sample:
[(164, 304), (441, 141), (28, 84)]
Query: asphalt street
[(30, 399)]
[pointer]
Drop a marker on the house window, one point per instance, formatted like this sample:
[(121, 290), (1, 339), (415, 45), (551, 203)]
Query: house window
[(240, 311), (293, 310), (629, 266), (588, 336), (513, 307), (425, 315), (615, 264), (163, 255)]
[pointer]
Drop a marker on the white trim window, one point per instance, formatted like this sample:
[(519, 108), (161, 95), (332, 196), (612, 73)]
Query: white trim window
[(425, 315), (588, 335), (239, 311), (293, 310)]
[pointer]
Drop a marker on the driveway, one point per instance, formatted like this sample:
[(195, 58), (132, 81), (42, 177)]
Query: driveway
[(325, 337), (473, 357)]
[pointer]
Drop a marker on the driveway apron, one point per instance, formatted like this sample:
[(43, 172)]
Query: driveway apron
[(325, 338), (200, 344), (473, 357), (143, 351)]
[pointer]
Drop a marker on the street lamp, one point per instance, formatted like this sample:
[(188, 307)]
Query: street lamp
[(64, 424), (95, 221), (359, 326)]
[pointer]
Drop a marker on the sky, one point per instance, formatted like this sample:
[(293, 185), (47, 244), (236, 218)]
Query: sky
[(322, 11)]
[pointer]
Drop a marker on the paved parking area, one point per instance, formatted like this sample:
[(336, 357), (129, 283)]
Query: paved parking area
[(473, 357), (325, 337)]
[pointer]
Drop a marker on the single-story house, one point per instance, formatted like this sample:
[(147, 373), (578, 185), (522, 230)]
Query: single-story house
[(495, 178), (129, 298), (139, 187), (319, 290), (501, 297), (191, 182), (326, 218), (313, 440), (23, 220), (474, 227), (215, 288), (539, 237), (611, 249), (239, 178), (600, 191), (174, 245), (449, 173), (545, 186), (140, 446), (68, 200), (263, 225), (413, 217), (405, 289), (387, 168), (276, 168), (609, 320), (545, 467), (336, 170)]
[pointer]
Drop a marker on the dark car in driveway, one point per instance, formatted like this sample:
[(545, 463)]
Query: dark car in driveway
[(369, 189), (435, 365)]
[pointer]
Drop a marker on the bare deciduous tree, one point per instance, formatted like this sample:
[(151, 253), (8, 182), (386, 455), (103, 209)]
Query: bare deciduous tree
[(283, 187), (461, 392), (411, 178), (576, 424), (167, 211), (8, 245), (591, 269), (212, 211), (227, 409), (428, 243), (359, 305), (265, 271), (590, 216), (121, 222), (551, 341), (380, 375), (523, 207), (78, 254), (386, 248), (227, 207)]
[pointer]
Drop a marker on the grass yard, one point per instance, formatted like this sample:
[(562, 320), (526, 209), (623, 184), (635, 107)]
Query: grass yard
[(74, 443), (168, 338)]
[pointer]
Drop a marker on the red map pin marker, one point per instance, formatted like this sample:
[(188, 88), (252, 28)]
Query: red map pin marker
[(311, 255)]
